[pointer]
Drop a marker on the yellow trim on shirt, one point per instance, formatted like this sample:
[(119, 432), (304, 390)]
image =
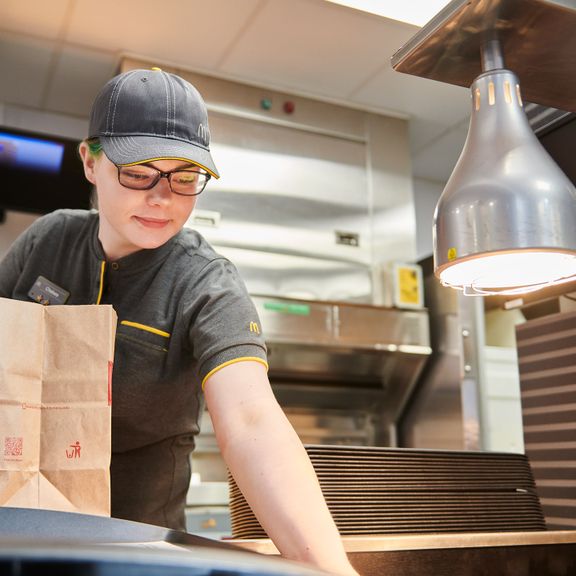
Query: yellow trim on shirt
[(146, 328), (102, 270), (244, 358)]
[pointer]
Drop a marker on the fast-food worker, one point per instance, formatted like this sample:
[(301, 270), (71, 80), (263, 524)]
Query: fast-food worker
[(187, 329)]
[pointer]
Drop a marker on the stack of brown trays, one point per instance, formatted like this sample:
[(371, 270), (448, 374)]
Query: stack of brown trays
[(547, 366), (372, 490)]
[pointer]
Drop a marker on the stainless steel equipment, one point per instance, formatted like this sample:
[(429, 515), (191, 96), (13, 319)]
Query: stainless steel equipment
[(349, 354), (36, 542)]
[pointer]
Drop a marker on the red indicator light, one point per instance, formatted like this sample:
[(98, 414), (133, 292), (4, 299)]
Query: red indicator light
[(288, 107)]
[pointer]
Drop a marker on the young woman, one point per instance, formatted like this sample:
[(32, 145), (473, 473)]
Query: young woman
[(187, 329)]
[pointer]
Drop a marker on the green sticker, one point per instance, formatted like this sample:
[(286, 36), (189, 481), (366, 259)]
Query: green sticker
[(288, 308)]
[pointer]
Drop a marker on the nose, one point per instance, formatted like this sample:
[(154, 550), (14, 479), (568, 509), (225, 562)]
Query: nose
[(160, 193)]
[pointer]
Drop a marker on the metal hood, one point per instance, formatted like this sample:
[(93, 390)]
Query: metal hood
[(341, 345)]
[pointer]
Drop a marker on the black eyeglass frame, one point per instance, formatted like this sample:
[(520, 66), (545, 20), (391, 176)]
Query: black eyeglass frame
[(168, 176)]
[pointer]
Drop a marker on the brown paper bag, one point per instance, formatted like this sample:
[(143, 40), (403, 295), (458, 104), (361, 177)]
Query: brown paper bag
[(55, 406)]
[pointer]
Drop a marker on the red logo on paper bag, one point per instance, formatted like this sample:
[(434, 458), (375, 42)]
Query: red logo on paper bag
[(110, 366), (13, 446), (75, 450)]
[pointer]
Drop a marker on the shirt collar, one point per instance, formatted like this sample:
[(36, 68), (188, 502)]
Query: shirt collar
[(140, 260)]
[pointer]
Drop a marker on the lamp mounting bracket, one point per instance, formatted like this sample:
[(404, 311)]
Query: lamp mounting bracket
[(536, 37)]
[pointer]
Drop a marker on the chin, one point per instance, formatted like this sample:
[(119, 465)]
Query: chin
[(153, 239), (151, 244)]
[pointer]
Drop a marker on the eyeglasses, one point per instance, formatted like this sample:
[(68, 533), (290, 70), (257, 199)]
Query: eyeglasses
[(183, 182)]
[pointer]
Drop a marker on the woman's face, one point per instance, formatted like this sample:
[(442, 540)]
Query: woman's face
[(131, 220)]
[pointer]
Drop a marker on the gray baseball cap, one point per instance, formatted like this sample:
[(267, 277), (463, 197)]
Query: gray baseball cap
[(147, 115)]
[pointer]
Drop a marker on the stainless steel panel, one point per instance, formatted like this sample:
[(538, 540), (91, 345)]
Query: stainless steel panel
[(344, 325), (295, 321), (434, 416), (332, 426), (354, 345), (393, 373), (381, 328)]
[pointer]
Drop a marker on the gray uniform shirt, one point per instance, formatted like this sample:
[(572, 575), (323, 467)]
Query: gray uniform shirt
[(183, 311)]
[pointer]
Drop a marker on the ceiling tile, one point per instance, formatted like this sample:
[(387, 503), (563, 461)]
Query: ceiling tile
[(424, 132), (24, 65), (191, 33), (76, 79), (34, 17), (437, 160), (314, 46), (420, 97)]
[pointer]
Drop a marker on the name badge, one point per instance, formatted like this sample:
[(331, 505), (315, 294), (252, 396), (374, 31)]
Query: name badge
[(45, 292)]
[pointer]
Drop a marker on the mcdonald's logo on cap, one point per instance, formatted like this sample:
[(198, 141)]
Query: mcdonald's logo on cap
[(254, 328)]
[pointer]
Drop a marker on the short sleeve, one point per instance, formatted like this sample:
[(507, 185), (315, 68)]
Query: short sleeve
[(17, 258), (13, 262), (225, 327)]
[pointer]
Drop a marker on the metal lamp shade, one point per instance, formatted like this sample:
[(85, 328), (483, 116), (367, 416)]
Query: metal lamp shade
[(506, 220)]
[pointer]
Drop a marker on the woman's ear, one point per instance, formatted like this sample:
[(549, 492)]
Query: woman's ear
[(88, 161)]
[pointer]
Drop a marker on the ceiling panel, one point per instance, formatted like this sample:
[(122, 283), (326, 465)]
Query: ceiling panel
[(418, 97), (424, 133), (24, 69), (191, 33), (437, 159), (34, 17), (314, 46), (77, 77)]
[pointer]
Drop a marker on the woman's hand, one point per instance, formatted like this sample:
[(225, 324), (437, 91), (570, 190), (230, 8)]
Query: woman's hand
[(271, 467)]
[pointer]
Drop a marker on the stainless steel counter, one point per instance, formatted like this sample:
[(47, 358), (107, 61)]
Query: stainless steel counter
[(34, 542)]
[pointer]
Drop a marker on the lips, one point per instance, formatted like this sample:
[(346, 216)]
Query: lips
[(152, 222)]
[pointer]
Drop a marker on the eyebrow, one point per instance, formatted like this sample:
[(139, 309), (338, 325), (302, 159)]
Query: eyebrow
[(186, 167)]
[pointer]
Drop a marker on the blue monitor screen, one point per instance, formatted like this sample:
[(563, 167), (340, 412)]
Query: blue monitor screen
[(40, 173), (25, 153)]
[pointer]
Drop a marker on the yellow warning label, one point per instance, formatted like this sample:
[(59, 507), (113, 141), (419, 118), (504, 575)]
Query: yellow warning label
[(409, 286), (452, 254)]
